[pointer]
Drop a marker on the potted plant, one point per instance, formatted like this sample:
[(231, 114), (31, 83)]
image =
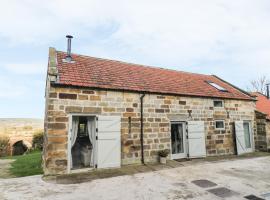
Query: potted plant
[(163, 155)]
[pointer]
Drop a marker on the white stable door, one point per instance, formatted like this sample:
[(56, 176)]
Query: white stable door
[(178, 140), (244, 137), (196, 139), (108, 141)]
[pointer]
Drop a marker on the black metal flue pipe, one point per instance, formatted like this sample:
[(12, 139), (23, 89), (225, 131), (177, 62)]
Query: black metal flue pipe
[(68, 57)]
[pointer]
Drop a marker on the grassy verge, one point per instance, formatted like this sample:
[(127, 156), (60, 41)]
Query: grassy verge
[(26, 165)]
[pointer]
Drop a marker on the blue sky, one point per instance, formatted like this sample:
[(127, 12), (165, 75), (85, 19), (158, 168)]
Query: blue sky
[(230, 39)]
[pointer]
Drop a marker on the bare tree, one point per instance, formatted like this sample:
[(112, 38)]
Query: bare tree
[(259, 85)]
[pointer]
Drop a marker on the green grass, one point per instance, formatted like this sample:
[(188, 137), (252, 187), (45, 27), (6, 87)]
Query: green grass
[(26, 165)]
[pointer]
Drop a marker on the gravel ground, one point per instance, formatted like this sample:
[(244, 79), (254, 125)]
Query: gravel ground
[(243, 177)]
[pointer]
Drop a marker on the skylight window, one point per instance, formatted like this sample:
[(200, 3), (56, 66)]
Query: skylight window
[(218, 87)]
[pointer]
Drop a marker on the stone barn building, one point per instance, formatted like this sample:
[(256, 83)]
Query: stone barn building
[(103, 113), (262, 117)]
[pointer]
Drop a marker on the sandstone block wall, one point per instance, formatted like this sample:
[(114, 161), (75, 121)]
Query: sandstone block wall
[(19, 129), (261, 136), (159, 110), (268, 134)]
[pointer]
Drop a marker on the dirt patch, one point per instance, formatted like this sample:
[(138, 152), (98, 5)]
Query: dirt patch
[(4, 168)]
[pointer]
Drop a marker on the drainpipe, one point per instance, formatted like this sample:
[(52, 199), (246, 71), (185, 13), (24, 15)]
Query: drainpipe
[(142, 148), (234, 139)]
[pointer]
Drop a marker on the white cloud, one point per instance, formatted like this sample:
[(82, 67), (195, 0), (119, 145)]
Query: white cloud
[(225, 37), (26, 68), (9, 89), (232, 36)]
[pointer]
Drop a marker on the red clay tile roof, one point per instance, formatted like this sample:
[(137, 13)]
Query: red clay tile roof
[(262, 104), (109, 74)]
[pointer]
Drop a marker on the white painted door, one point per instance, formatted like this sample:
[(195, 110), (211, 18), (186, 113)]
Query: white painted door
[(243, 135), (196, 139), (178, 140), (108, 141)]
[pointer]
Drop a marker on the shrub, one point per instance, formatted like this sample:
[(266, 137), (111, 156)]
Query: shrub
[(37, 142), (4, 142), (163, 153)]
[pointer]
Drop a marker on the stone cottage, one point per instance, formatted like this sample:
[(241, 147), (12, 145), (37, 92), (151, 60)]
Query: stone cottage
[(262, 118), (104, 113)]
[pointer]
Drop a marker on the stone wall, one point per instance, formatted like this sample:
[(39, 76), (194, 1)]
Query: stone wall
[(159, 110), (260, 137), (268, 134), (19, 129)]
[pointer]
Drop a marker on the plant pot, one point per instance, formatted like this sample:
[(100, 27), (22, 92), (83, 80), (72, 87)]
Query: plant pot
[(163, 160)]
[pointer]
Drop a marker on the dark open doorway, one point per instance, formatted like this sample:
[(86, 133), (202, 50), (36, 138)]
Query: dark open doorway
[(82, 149), (19, 148)]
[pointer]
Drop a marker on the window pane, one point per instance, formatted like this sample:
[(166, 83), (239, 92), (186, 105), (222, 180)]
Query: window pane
[(218, 87), (83, 130), (220, 124), (82, 127), (218, 104), (247, 135)]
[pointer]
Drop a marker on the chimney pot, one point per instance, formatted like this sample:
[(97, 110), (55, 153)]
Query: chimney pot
[(68, 57)]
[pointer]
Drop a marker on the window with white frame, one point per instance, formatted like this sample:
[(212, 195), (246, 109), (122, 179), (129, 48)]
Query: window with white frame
[(215, 85), (219, 125), (247, 133), (218, 103)]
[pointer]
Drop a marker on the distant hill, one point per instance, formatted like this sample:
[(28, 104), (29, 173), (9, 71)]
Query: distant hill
[(20, 126)]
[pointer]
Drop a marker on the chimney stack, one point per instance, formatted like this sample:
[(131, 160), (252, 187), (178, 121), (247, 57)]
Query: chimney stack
[(267, 90), (68, 57)]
